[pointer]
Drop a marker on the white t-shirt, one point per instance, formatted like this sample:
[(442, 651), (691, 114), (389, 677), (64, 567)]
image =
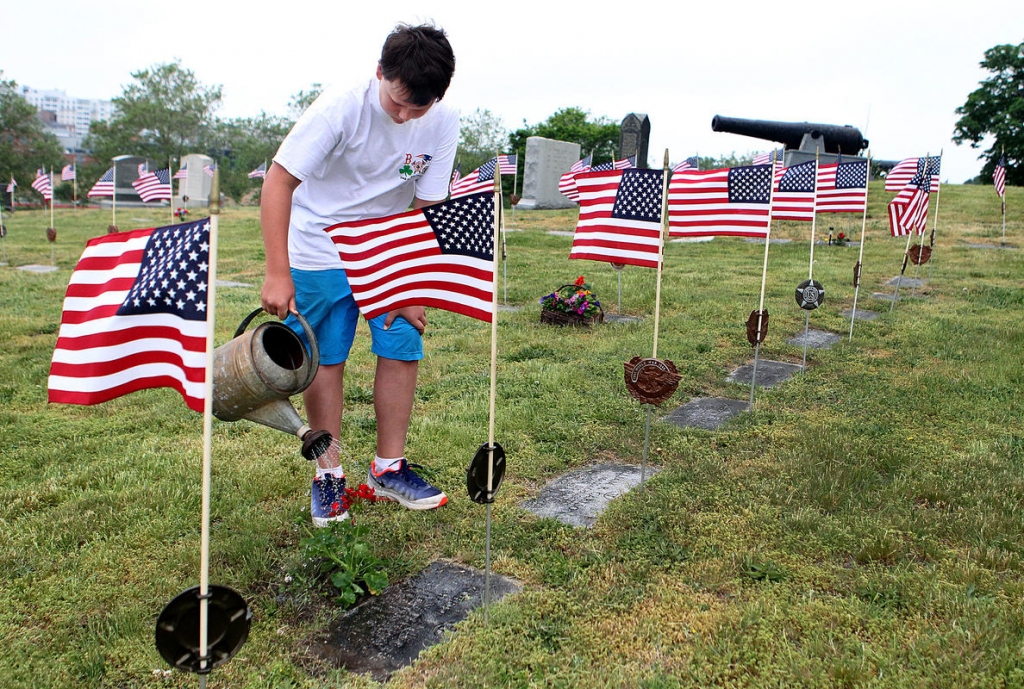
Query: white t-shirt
[(355, 163)]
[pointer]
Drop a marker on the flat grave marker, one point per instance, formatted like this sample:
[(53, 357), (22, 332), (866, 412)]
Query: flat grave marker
[(578, 497), (36, 268), (709, 413), (861, 315), (769, 373), (815, 339)]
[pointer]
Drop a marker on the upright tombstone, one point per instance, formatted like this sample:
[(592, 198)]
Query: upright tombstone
[(546, 161), (634, 136), (196, 185)]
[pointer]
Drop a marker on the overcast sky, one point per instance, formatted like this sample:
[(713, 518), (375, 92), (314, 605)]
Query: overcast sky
[(896, 70)]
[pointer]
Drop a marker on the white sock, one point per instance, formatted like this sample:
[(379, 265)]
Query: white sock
[(336, 472), (380, 465)]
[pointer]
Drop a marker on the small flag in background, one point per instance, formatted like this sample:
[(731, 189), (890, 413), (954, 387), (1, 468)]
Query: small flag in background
[(622, 164), (104, 185), (730, 202), (842, 187), (507, 164), (906, 169), (477, 181), (42, 184), (690, 163), (620, 217), (998, 177), (456, 176), (908, 211), (794, 192), (143, 168), (567, 182), (440, 256), (67, 173), (210, 169), (12, 185), (154, 186), (260, 172), (182, 173), (135, 317), (766, 158)]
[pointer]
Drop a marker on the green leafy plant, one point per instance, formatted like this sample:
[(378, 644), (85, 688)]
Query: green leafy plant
[(342, 552), (575, 298)]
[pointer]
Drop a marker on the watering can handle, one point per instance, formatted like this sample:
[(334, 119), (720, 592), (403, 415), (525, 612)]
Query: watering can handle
[(314, 348)]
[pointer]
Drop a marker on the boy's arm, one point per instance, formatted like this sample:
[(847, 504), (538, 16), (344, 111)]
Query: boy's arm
[(278, 294)]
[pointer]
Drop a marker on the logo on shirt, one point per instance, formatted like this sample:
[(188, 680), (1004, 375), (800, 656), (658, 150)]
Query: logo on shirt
[(414, 166)]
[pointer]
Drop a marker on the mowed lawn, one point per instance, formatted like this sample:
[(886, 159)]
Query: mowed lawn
[(863, 526)]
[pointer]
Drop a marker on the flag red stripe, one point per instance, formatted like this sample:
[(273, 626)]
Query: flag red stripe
[(99, 396)]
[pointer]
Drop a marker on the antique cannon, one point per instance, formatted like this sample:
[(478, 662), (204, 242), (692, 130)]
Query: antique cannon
[(796, 135)]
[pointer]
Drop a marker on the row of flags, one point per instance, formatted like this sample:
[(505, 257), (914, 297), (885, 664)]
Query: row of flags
[(482, 178)]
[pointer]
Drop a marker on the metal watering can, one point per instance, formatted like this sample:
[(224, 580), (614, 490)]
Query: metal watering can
[(256, 372)]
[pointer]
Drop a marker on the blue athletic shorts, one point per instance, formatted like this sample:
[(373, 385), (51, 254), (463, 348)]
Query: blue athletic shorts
[(324, 299)]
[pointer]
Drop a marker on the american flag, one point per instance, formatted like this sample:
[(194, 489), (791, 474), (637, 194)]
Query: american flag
[(154, 186), (143, 168), (260, 172), (477, 181), (567, 182), (621, 164), (842, 187), (507, 164), (909, 209), (730, 202), (620, 217), (42, 184), (11, 185), (441, 256), (104, 185), (456, 175), (691, 163), (998, 177), (794, 192), (210, 169), (135, 317), (182, 173), (907, 168), (67, 173), (766, 158)]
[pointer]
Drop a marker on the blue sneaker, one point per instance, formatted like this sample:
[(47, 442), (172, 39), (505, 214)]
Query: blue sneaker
[(327, 495), (403, 486)]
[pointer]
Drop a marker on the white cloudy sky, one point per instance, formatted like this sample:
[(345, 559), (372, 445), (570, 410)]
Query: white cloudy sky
[(897, 70)]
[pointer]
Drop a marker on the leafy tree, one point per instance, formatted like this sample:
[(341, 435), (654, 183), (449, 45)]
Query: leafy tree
[(303, 99), (996, 108), (163, 116), (600, 136), (730, 160), (481, 136), (25, 145), (240, 146)]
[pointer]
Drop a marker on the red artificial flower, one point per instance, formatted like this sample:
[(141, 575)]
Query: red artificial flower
[(842, 235), (580, 281)]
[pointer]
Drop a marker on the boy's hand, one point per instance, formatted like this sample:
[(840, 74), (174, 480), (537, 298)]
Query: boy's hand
[(416, 315), (278, 296)]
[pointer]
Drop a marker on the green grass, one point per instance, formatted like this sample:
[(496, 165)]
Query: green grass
[(863, 527)]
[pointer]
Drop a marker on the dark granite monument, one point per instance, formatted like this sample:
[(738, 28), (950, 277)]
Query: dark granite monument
[(634, 136)]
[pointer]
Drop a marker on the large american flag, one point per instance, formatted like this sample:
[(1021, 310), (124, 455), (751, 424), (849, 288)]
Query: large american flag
[(906, 169), (908, 211), (478, 181), (260, 172), (567, 182), (67, 173), (691, 163), (154, 186), (507, 164), (999, 176), (794, 192), (842, 187), (620, 217), (730, 202), (104, 185), (135, 317), (766, 158), (441, 256), (42, 184), (182, 173)]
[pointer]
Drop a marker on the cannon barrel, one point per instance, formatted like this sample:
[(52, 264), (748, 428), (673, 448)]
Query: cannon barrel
[(838, 139)]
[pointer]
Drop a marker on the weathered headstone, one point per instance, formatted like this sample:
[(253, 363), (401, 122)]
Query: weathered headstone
[(708, 413), (387, 632), (546, 161), (861, 315), (815, 339), (578, 497), (196, 185), (906, 282), (634, 137), (769, 373)]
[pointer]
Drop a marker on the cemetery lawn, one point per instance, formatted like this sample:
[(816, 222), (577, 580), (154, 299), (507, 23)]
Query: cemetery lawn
[(862, 527)]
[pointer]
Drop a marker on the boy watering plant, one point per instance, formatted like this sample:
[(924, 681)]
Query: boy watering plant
[(364, 153)]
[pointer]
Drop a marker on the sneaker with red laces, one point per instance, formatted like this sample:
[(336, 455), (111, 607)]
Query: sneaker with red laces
[(404, 486)]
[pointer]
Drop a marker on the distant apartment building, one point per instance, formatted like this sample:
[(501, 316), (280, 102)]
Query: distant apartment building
[(68, 118)]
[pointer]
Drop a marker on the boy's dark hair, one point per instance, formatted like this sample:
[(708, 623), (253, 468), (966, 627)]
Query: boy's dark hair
[(421, 58)]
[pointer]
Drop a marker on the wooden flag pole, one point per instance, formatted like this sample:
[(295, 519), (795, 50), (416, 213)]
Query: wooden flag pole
[(113, 196), (764, 278), (53, 244), (657, 308), (1002, 197), (906, 251), (810, 270), (493, 395), (204, 548), (515, 184), (935, 224), (170, 183), (860, 258)]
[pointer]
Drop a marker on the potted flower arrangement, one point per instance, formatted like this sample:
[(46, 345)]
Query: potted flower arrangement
[(573, 304)]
